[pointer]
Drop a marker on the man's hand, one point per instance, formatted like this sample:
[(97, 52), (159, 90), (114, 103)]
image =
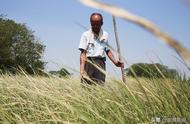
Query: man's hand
[(82, 73), (82, 62), (119, 64)]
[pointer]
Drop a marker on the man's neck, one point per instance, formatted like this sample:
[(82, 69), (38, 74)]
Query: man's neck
[(96, 33)]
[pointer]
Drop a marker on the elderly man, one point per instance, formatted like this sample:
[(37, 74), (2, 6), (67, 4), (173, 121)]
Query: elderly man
[(93, 47)]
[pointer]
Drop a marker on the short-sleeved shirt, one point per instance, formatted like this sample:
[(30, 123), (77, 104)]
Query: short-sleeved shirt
[(95, 47)]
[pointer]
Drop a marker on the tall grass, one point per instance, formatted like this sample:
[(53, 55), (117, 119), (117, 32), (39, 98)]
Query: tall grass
[(27, 99)]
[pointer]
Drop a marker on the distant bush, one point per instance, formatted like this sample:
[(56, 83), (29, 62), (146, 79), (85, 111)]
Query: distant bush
[(151, 70), (61, 73)]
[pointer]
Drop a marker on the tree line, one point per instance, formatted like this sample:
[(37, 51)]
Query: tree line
[(19, 48)]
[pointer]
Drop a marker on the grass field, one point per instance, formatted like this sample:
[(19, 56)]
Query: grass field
[(27, 99)]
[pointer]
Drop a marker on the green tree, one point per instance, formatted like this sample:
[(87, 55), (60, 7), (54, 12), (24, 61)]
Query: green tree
[(19, 48), (151, 70)]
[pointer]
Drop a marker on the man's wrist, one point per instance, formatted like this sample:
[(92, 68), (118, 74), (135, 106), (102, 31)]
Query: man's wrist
[(81, 73), (115, 62)]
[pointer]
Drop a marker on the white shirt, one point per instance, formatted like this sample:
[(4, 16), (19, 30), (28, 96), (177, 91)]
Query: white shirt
[(95, 47)]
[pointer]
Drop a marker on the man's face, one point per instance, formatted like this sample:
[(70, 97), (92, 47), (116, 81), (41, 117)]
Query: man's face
[(96, 23)]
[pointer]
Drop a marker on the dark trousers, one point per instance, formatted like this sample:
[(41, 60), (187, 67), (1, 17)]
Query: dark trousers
[(96, 74)]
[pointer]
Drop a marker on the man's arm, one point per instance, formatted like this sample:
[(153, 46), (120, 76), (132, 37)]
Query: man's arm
[(82, 62), (115, 62)]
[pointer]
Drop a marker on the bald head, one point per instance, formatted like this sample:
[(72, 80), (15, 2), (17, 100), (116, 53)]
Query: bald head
[(96, 21), (96, 17)]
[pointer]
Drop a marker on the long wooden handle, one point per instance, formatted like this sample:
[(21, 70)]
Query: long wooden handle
[(118, 48)]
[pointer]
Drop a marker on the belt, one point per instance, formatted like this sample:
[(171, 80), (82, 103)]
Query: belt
[(97, 58)]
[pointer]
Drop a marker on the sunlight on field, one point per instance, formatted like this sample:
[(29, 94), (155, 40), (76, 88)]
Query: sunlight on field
[(27, 99)]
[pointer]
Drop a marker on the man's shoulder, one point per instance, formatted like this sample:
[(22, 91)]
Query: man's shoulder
[(86, 33), (105, 32)]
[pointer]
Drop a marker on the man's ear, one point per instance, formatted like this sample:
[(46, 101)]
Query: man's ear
[(102, 23)]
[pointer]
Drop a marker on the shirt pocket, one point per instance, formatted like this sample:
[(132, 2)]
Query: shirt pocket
[(90, 48), (103, 46)]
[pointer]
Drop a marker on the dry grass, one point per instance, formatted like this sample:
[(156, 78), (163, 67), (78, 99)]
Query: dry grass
[(27, 99)]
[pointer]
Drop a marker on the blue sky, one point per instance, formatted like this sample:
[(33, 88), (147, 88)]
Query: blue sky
[(54, 23)]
